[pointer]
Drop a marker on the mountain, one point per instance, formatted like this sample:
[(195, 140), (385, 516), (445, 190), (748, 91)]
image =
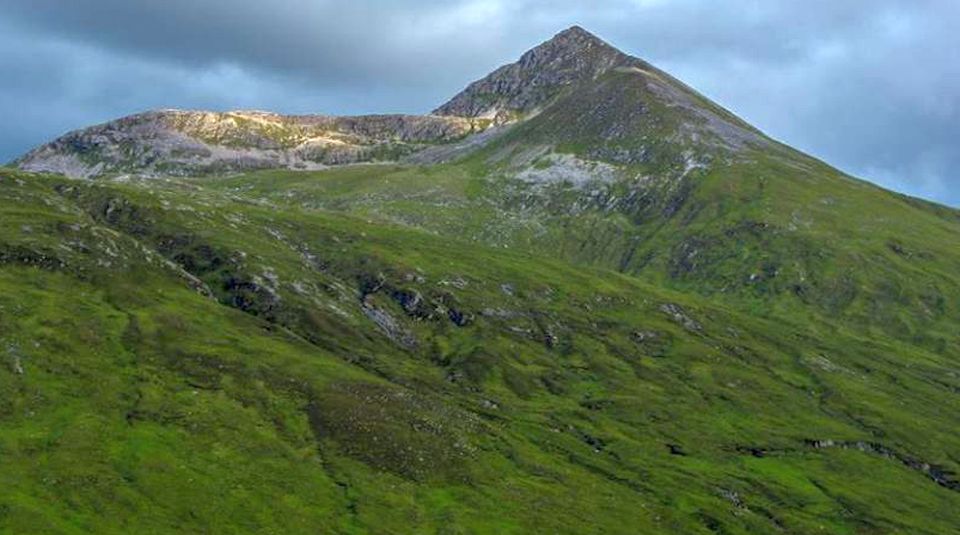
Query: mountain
[(573, 69), (577, 298), (185, 143), (573, 56)]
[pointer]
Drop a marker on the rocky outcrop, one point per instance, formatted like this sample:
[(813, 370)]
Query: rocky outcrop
[(572, 56), (175, 142), (680, 316), (939, 474)]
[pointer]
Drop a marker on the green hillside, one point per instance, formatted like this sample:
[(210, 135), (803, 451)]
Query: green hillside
[(618, 309), (181, 357), (791, 237)]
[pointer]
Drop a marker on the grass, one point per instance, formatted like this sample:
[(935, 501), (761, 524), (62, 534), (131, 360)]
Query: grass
[(338, 352)]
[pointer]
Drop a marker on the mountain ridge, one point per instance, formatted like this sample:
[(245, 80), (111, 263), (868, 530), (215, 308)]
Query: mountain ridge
[(176, 142), (186, 142)]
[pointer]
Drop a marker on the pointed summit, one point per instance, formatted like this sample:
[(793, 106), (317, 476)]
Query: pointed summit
[(574, 39), (571, 56), (577, 30)]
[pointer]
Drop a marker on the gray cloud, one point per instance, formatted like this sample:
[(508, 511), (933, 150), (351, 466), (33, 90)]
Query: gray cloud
[(868, 85)]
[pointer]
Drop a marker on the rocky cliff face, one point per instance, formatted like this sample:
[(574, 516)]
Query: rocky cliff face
[(570, 57), (185, 142)]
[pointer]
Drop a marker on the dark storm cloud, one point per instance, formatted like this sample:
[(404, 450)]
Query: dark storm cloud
[(339, 43), (871, 86)]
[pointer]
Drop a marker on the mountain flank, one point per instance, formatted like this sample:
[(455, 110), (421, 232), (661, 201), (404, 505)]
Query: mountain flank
[(577, 298)]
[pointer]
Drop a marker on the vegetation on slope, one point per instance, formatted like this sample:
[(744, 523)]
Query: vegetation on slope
[(200, 357), (628, 311), (773, 234)]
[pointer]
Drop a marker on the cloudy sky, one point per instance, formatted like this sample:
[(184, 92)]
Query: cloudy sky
[(871, 86)]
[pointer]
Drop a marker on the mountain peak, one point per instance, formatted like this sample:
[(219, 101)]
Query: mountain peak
[(576, 29), (575, 37), (571, 56)]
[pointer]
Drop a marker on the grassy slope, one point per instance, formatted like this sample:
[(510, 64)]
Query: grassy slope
[(520, 393), (772, 234)]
